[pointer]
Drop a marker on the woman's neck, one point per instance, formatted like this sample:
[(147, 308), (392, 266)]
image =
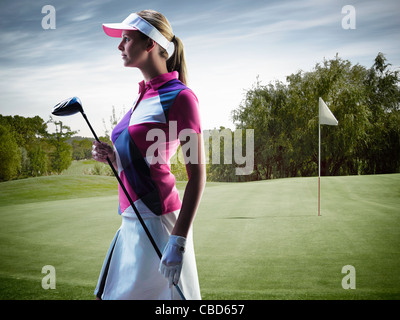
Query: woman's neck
[(153, 70)]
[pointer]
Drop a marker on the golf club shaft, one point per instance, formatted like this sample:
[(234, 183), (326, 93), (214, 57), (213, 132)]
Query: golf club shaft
[(133, 205), (90, 127)]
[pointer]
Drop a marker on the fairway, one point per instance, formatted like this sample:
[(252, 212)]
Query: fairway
[(255, 240)]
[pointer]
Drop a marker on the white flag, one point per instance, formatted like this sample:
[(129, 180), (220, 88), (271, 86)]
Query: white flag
[(325, 115)]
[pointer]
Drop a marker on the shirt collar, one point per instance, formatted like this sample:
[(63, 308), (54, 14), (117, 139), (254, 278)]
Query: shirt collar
[(158, 81)]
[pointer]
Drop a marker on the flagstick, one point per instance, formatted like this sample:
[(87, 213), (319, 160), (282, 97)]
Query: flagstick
[(329, 119), (319, 166)]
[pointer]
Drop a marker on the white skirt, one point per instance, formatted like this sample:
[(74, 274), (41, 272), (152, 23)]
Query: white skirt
[(130, 269)]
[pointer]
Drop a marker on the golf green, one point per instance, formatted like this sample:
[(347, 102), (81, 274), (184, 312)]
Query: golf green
[(255, 240)]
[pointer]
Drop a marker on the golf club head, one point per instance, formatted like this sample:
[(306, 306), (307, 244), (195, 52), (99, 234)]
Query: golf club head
[(68, 107)]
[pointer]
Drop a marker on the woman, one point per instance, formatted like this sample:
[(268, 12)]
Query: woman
[(164, 114)]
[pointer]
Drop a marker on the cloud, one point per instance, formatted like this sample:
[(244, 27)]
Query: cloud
[(83, 17)]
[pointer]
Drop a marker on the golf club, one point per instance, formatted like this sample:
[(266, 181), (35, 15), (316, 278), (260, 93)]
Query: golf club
[(72, 106)]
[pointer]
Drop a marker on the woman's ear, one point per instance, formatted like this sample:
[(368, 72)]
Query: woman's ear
[(150, 44)]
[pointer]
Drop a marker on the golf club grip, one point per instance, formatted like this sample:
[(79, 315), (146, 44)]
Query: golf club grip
[(141, 220)]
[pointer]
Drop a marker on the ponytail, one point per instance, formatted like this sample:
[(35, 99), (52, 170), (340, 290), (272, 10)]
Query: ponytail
[(177, 60)]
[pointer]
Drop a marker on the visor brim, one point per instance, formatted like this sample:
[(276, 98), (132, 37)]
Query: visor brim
[(115, 29)]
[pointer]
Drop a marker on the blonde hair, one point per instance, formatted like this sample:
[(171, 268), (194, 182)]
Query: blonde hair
[(177, 60)]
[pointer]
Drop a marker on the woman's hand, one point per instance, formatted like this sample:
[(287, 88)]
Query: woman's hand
[(102, 150), (172, 259)]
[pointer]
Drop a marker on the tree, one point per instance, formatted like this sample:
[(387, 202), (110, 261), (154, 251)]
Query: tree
[(27, 131), (81, 148), (263, 110), (38, 161), (10, 156), (61, 155), (29, 134), (381, 150)]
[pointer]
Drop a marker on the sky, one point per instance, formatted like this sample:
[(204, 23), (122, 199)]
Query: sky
[(228, 45)]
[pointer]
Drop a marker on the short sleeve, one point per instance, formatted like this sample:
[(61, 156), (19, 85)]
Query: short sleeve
[(185, 111)]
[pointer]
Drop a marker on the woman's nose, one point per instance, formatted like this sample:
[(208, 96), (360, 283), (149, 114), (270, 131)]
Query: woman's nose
[(120, 46)]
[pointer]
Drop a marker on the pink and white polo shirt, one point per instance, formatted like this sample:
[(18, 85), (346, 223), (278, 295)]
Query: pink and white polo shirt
[(164, 108)]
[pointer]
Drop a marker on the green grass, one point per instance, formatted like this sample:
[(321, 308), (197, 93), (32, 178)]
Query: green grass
[(81, 167), (256, 240), (264, 240)]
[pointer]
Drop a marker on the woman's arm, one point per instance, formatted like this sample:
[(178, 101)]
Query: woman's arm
[(172, 259), (196, 170)]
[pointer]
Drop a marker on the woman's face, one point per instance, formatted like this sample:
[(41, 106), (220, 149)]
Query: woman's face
[(133, 48)]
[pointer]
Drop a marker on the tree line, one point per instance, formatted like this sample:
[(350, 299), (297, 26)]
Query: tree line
[(28, 150), (284, 116)]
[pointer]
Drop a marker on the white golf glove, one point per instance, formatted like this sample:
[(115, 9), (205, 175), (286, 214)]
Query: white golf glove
[(172, 259)]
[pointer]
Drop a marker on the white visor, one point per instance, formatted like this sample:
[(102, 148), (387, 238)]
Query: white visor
[(134, 22)]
